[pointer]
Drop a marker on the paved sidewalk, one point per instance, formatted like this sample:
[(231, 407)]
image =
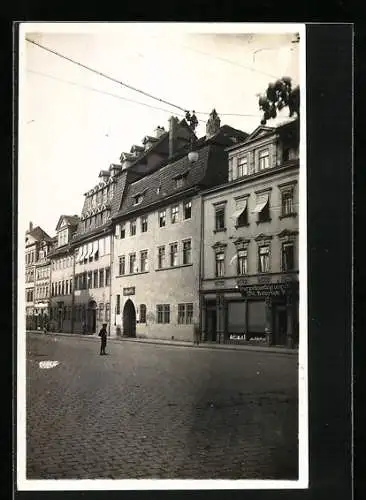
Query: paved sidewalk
[(205, 345)]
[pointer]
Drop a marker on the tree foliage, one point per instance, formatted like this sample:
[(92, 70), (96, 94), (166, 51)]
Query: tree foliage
[(279, 95)]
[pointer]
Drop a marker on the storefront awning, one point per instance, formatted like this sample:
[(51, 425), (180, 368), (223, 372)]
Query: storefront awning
[(89, 251), (261, 203), (95, 248)]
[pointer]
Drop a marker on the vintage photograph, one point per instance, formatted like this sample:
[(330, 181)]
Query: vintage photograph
[(162, 310)]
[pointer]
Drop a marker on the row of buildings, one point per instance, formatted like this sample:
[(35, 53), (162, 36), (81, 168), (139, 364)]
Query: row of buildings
[(184, 232)]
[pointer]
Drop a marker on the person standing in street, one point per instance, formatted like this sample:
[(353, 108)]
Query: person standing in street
[(103, 338), (196, 334)]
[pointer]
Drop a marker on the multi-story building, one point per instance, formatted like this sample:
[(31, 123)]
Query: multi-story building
[(93, 242), (249, 287), (62, 274), (158, 235), (37, 244)]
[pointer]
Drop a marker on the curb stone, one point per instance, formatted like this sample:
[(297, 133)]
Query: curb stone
[(177, 343)]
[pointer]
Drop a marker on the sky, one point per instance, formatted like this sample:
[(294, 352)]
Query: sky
[(74, 123)]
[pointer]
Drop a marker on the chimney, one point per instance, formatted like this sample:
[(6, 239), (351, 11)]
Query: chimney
[(30, 226), (104, 175), (159, 131), (213, 124), (172, 134)]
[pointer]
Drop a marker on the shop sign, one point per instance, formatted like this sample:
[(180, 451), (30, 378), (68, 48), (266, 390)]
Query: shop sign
[(129, 291), (267, 290)]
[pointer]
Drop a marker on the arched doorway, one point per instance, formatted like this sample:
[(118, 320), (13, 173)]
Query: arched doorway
[(91, 317), (129, 319)]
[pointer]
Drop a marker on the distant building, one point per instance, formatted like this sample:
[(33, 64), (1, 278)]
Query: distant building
[(249, 287), (37, 277), (156, 260), (62, 274)]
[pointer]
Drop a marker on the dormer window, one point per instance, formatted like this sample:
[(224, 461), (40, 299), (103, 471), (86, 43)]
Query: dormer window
[(138, 199), (180, 179)]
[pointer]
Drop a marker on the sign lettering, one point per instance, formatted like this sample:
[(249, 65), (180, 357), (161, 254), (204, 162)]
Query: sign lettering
[(129, 291)]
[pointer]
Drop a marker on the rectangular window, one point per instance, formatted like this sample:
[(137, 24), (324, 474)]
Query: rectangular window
[(101, 278), (142, 313), (133, 227), (163, 313), (185, 314), (219, 218), (242, 262), (161, 257), (122, 265), (66, 287), (263, 159), (230, 170), (101, 311), (220, 264), (118, 304), (173, 254), (70, 285), (179, 182), (144, 224), (287, 204), (175, 214), (132, 263), (143, 261), (187, 252), (63, 288), (107, 276), (123, 231), (242, 168), (95, 279), (288, 257), (263, 260), (187, 209), (162, 218), (89, 279)]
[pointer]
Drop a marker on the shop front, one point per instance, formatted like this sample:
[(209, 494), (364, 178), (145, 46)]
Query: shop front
[(252, 313)]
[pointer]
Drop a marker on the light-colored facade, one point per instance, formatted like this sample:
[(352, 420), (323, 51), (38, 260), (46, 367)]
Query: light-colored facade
[(158, 240), (37, 276), (249, 288), (62, 275), (156, 271)]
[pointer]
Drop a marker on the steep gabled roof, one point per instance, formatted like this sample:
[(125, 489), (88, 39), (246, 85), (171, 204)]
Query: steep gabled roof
[(71, 220), (39, 234)]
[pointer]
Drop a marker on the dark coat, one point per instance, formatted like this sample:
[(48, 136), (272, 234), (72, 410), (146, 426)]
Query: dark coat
[(103, 335)]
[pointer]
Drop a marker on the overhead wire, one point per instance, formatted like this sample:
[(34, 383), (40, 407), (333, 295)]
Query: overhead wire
[(104, 75)]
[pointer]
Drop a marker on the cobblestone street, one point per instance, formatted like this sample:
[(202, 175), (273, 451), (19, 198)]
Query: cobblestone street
[(148, 411)]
